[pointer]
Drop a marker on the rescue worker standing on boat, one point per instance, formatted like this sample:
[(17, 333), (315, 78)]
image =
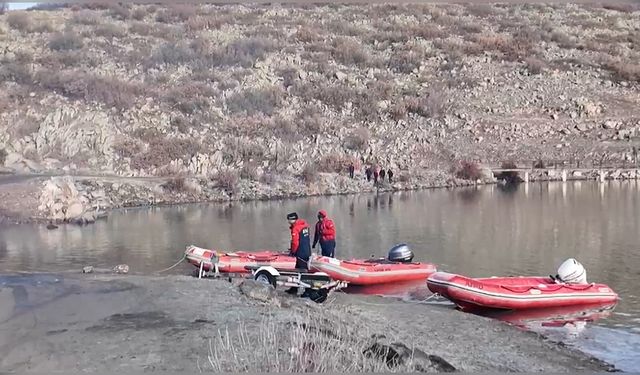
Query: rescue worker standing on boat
[(326, 234)]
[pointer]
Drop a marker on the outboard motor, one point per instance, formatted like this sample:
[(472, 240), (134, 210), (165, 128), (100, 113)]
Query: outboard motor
[(572, 272), (401, 253)]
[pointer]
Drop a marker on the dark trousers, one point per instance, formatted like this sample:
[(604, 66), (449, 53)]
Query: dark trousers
[(328, 248), (302, 263)]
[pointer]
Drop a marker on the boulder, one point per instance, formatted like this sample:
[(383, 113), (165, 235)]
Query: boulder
[(582, 126), (121, 269), (396, 354), (87, 269), (74, 211)]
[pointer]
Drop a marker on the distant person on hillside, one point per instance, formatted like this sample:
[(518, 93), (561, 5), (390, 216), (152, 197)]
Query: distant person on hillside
[(390, 175), (376, 174), (368, 173), (352, 170), (326, 234), (382, 172)]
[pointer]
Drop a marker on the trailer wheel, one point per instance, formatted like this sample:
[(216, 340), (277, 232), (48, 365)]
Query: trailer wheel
[(265, 277), (318, 295)]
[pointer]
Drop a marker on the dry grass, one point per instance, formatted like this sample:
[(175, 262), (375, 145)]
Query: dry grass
[(20, 21), (315, 342), (468, 170), (358, 139), (534, 65), (65, 41), (255, 101), (309, 173), (228, 180)]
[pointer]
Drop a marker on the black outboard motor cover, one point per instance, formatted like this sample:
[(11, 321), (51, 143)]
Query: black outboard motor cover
[(401, 253)]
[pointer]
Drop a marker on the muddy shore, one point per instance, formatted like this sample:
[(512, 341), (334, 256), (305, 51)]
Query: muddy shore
[(104, 322)]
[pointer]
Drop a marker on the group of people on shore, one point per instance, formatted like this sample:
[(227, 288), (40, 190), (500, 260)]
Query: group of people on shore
[(375, 173)]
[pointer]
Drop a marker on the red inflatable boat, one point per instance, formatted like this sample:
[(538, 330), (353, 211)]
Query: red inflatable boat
[(237, 261), (514, 293), (371, 271)]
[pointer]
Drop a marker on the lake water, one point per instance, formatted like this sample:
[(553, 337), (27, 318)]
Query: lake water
[(480, 232)]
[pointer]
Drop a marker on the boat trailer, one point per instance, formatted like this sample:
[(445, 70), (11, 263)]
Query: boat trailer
[(318, 285)]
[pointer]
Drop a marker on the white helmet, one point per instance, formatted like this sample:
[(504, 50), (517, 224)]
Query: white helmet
[(572, 272)]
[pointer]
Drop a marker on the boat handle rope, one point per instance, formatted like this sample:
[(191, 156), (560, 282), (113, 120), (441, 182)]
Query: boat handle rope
[(553, 289), (174, 266)]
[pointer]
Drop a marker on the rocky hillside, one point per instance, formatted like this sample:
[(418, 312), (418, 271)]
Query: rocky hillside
[(241, 98)]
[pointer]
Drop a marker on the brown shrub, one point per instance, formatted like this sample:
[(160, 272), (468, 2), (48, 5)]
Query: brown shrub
[(563, 40), (249, 171), (539, 164), (307, 35), (534, 65), (176, 13), (126, 148), (139, 14), (349, 52), (197, 23), (398, 111), (140, 28), (169, 33), (171, 54), (358, 139), (228, 180), (624, 71), (109, 31), (65, 41), (481, 10), (405, 61), (243, 52), (289, 76), (119, 12), (433, 104), (20, 21), (334, 95), (468, 170), (75, 85), (161, 151), (263, 100), (309, 173), (16, 72), (176, 185), (333, 163), (191, 97), (623, 8)]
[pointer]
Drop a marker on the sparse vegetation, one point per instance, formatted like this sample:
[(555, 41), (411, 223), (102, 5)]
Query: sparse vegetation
[(175, 185), (251, 102), (468, 170), (20, 21), (309, 173), (281, 91), (3, 156), (65, 41), (358, 139), (228, 180)]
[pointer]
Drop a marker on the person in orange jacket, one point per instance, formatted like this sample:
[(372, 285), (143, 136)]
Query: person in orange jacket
[(326, 234)]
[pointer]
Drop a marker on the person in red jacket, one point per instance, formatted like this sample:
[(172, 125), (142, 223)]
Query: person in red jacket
[(326, 234), (299, 240), (300, 244)]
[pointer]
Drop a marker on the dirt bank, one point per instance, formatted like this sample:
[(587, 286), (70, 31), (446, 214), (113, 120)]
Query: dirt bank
[(103, 322)]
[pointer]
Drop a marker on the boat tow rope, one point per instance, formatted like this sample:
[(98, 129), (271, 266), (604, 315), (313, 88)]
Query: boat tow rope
[(174, 266)]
